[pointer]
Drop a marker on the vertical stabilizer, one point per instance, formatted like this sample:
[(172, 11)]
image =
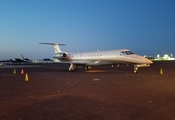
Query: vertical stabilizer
[(56, 46)]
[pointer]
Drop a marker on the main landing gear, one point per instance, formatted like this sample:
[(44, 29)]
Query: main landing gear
[(87, 67), (72, 66)]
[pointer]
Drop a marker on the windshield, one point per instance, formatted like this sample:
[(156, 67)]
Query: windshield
[(126, 53)]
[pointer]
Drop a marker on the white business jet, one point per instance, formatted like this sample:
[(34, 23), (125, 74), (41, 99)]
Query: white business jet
[(110, 57)]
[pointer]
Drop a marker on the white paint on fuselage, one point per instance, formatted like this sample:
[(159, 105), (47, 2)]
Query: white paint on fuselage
[(107, 57)]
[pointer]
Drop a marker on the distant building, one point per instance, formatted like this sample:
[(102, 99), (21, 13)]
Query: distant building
[(165, 57)]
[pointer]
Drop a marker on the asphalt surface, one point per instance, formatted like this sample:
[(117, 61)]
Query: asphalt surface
[(103, 93)]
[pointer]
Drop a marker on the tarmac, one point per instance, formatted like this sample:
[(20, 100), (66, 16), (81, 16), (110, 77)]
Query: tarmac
[(51, 92)]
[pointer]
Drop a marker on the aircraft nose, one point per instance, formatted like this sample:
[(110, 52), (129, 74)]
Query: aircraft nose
[(145, 60), (148, 61)]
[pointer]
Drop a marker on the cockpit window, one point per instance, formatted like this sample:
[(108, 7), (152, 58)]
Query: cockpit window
[(129, 52), (126, 53), (123, 53)]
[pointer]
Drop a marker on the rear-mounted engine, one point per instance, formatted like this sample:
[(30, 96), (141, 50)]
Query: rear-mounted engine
[(60, 56)]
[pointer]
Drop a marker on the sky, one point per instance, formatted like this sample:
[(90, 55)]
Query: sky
[(146, 27)]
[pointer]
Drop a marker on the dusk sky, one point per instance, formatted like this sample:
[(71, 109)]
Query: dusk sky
[(146, 27)]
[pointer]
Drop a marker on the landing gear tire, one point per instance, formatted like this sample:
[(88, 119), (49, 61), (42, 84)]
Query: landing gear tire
[(87, 67), (135, 71)]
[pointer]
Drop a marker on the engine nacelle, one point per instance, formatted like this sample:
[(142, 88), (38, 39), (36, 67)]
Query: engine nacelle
[(61, 56)]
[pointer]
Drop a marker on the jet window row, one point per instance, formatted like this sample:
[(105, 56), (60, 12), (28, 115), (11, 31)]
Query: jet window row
[(126, 53), (86, 56)]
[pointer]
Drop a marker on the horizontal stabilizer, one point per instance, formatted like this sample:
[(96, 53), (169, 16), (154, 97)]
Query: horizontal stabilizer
[(52, 44), (56, 46)]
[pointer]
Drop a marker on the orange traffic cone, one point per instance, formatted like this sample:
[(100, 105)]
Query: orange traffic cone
[(26, 77), (22, 72), (161, 71), (14, 72)]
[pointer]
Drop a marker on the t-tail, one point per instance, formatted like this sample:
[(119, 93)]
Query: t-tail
[(59, 55), (56, 47)]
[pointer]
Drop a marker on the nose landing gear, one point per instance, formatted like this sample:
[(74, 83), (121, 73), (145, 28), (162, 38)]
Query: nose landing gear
[(136, 69)]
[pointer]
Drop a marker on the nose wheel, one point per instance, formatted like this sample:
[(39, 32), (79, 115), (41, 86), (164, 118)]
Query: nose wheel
[(136, 69)]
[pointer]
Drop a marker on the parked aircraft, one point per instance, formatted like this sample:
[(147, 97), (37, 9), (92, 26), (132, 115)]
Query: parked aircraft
[(110, 57), (45, 60), (16, 61)]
